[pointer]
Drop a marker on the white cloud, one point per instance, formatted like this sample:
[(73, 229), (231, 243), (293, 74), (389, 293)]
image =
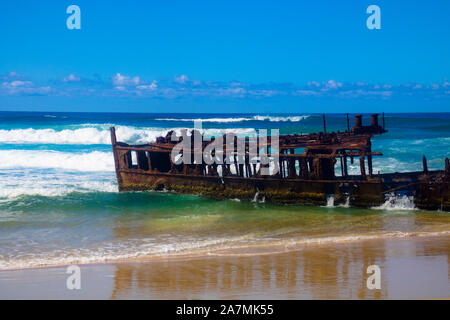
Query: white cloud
[(181, 79), (23, 87), (151, 86), (332, 84), (133, 86), (306, 93), (17, 83), (122, 80), (71, 78), (313, 84)]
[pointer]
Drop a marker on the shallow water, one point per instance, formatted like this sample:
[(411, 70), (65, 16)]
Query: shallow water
[(413, 268), (96, 227)]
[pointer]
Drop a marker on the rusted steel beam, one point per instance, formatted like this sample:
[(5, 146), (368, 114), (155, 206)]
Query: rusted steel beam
[(404, 186), (234, 153), (256, 178), (369, 164), (345, 164), (362, 166), (425, 165), (149, 161), (116, 157), (447, 167)]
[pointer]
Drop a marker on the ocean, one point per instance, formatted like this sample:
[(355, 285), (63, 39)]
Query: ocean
[(59, 202)]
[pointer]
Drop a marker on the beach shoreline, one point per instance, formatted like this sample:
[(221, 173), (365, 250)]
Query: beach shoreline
[(254, 249), (411, 268)]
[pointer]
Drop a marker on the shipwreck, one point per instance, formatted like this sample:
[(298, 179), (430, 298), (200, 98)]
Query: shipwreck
[(309, 169)]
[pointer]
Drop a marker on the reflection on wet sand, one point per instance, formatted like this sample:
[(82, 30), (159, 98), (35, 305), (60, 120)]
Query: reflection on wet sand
[(327, 272), (335, 270)]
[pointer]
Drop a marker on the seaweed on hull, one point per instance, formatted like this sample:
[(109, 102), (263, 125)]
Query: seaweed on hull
[(308, 169)]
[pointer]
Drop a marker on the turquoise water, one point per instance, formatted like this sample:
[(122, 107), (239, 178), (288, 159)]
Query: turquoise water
[(59, 202)]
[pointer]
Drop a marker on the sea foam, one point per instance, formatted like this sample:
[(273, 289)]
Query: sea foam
[(38, 182), (92, 134), (45, 159), (241, 119)]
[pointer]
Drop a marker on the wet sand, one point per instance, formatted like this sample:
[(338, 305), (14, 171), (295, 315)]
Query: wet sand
[(411, 268)]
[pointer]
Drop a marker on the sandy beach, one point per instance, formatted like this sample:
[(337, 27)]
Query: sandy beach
[(411, 268)]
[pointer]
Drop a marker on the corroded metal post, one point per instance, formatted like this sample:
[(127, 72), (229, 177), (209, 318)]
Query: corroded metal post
[(363, 167), (116, 157), (369, 164), (369, 156), (374, 120), (303, 168), (447, 167), (149, 161), (358, 121), (425, 165), (348, 123), (345, 165)]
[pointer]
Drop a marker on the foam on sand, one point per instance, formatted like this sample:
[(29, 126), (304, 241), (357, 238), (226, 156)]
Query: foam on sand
[(134, 249)]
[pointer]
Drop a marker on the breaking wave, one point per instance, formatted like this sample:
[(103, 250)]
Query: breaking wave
[(38, 182), (91, 134), (241, 119), (45, 159)]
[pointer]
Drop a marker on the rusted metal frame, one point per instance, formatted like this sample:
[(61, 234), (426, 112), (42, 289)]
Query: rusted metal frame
[(361, 140), (271, 178), (369, 157), (369, 165), (328, 156), (291, 165), (149, 161), (425, 165), (405, 186), (247, 166), (116, 156), (345, 163), (362, 166), (447, 167), (337, 147)]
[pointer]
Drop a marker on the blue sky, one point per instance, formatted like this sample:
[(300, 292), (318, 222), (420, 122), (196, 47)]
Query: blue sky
[(225, 56)]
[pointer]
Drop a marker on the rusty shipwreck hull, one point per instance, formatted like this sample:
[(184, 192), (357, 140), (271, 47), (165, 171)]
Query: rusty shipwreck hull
[(273, 190), (307, 171)]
